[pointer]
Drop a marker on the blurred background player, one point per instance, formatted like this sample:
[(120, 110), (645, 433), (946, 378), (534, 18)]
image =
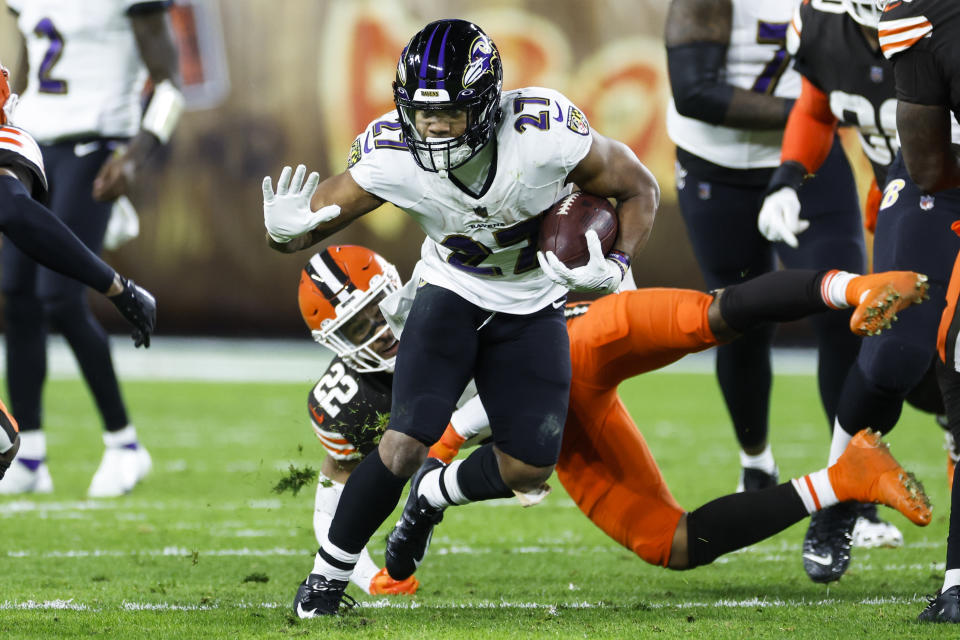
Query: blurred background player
[(859, 93), (35, 230), (85, 66), (733, 87), (474, 167), (604, 462), (922, 39)]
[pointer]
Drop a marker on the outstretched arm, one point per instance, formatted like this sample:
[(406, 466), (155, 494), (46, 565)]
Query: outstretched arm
[(43, 237), (299, 215)]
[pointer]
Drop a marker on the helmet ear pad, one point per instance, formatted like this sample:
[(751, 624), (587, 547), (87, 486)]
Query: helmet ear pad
[(449, 65)]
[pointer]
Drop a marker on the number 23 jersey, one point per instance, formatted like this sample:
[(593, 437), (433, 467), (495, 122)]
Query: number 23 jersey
[(86, 74), (484, 249)]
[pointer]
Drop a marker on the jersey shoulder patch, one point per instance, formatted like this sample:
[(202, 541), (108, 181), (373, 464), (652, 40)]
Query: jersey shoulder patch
[(18, 148), (380, 162)]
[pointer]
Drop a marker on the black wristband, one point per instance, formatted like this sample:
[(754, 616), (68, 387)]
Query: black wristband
[(789, 174)]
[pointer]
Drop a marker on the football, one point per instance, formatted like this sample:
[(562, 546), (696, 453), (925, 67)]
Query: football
[(564, 224)]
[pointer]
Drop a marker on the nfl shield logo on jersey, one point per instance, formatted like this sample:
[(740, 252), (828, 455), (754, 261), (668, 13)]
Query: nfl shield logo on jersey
[(876, 74), (926, 203)]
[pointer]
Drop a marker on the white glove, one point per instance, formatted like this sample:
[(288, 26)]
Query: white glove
[(287, 213), (779, 219), (600, 274)]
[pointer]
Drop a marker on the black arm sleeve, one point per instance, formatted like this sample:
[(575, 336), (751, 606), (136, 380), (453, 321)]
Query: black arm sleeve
[(918, 77), (698, 91), (43, 237)]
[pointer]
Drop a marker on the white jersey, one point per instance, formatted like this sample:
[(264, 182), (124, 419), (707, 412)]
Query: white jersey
[(86, 75), (484, 249), (757, 60)]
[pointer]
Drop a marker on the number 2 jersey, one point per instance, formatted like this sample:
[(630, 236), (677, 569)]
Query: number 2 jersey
[(860, 88), (756, 61), (86, 74), (484, 249)]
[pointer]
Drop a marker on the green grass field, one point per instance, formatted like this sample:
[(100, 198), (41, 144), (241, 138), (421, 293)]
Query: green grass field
[(204, 549)]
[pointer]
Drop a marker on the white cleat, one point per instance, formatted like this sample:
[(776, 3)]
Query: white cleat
[(868, 534), (20, 478), (120, 470)]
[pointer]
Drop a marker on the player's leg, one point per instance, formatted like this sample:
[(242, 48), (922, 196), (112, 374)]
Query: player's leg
[(834, 240), (912, 233), (433, 365), (946, 606), (366, 574), (523, 375), (866, 472), (26, 361), (610, 474), (721, 222), (125, 462)]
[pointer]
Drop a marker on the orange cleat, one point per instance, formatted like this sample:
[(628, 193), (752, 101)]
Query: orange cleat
[(448, 446), (383, 585), (868, 472), (879, 296)]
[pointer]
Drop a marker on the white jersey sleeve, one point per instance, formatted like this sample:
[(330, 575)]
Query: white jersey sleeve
[(19, 149), (86, 74)]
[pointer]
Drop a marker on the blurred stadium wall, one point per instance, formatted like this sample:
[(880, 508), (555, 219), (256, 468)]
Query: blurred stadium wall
[(275, 82)]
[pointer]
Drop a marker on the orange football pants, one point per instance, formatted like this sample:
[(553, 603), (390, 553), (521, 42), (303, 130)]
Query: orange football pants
[(604, 463)]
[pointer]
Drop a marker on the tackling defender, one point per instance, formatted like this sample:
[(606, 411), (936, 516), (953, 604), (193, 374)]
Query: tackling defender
[(604, 463), (39, 234), (474, 166)]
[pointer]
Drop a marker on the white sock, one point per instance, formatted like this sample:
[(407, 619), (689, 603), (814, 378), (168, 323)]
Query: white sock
[(327, 569), (839, 443), (117, 439), (815, 490), (430, 486), (833, 288), (763, 461), (33, 445), (364, 571), (951, 578)]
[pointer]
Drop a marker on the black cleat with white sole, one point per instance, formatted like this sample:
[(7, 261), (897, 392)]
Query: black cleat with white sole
[(407, 544), (318, 596), (944, 607), (826, 547)]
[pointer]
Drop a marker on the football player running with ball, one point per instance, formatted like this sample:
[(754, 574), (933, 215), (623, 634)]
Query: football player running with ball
[(36, 232), (604, 463), (474, 167)]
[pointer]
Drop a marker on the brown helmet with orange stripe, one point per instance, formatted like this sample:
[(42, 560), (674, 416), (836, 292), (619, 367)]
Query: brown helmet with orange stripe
[(340, 291)]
